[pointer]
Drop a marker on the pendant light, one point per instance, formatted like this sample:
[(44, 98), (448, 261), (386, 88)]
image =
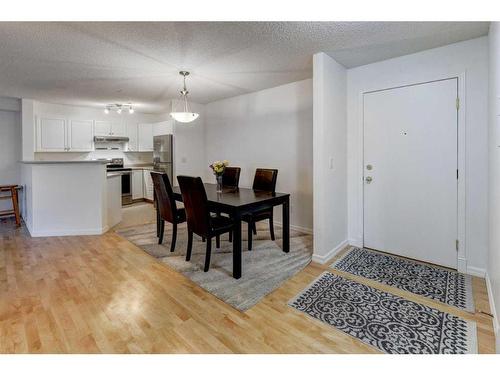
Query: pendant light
[(185, 115)]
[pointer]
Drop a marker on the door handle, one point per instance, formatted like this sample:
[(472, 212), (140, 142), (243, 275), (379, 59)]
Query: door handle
[(368, 179)]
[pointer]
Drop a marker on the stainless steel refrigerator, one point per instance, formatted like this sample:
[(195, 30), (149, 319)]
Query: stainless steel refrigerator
[(163, 150)]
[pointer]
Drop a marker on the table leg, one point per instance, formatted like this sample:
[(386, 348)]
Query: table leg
[(286, 225), (237, 247)]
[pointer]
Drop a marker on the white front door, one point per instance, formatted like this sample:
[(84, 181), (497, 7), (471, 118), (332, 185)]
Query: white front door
[(410, 171)]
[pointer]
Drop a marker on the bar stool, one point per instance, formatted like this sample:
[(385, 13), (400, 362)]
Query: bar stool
[(12, 189)]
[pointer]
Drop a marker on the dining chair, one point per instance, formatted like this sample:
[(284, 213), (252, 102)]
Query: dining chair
[(264, 180), (231, 176), (166, 207), (231, 179), (199, 220)]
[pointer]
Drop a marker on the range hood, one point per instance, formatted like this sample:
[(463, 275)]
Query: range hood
[(110, 138)]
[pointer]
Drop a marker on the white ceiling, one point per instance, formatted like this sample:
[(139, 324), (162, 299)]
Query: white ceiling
[(95, 63)]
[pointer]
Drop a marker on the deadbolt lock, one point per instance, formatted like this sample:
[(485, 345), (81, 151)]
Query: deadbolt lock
[(368, 179), (369, 167)]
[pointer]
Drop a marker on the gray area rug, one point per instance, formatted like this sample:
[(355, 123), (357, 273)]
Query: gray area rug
[(265, 268), (390, 323), (433, 282)]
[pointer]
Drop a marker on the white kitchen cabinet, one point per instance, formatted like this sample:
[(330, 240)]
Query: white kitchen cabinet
[(137, 184), (145, 137), (51, 135), (132, 144), (148, 185), (102, 128), (61, 135), (119, 129), (106, 128), (80, 135)]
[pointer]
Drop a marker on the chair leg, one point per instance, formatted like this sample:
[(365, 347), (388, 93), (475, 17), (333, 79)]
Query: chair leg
[(217, 242), (190, 245), (250, 227), (157, 223), (271, 227), (15, 206), (207, 256), (254, 228), (162, 230), (174, 237), (231, 236)]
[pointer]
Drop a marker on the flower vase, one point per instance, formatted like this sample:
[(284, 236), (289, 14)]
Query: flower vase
[(219, 183)]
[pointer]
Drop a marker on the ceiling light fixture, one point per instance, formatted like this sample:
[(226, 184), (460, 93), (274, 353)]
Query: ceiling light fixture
[(184, 115), (118, 108)]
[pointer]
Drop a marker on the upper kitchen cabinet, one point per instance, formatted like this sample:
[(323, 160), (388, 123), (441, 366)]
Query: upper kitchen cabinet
[(51, 134), (80, 135), (145, 137), (60, 135), (105, 128), (132, 135)]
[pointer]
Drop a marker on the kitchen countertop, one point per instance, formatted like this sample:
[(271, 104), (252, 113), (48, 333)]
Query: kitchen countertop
[(63, 162), (113, 174), (138, 166)]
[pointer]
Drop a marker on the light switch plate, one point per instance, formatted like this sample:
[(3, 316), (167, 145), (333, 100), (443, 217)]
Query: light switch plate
[(330, 162)]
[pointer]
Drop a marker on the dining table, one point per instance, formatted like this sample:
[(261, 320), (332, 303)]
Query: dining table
[(238, 202)]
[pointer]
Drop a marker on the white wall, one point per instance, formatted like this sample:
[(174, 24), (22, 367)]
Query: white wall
[(10, 152), (190, 145), (469, 57), (330, 157), (28, 128), (270, 128), (494, 169)]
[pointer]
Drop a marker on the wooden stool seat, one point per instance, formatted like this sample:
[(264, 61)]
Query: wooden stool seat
[(12, 189)]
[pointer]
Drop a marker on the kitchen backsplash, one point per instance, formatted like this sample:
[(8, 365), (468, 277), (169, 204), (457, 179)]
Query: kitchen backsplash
[(128, 157)]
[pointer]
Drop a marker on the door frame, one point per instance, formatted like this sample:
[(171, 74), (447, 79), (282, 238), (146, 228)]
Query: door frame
[(461, 159)]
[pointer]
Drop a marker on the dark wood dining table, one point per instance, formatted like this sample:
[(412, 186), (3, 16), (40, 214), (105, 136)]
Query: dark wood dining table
[(237, 202)]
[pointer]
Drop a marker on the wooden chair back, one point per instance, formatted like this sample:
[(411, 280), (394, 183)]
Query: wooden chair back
[(165, 201), (265, 179), (195, 202), (231, 176)]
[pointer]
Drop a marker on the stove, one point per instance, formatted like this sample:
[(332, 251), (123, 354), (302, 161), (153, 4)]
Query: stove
[(116, 165)]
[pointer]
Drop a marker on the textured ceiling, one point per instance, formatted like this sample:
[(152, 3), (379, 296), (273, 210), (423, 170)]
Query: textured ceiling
[(94, 63)]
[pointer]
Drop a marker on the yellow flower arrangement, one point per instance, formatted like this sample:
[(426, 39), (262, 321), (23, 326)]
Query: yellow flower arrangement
[(219, 166)]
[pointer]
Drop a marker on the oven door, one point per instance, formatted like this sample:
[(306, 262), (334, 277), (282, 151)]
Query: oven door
[(126, 188)]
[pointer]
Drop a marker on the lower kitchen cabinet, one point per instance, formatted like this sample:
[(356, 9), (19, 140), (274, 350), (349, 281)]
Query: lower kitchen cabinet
[(148, 185), (137, 184)]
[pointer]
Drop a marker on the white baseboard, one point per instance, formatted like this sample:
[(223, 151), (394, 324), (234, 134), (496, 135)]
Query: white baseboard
[(475, 271), (296, 228), (68, 232), (496, 325), (322, 259)]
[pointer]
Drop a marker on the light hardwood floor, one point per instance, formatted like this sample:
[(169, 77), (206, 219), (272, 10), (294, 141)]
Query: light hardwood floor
[(102, 294)]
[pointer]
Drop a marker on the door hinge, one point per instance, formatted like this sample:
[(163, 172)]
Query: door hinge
[(456, 244), (458, 103), (457, 174)]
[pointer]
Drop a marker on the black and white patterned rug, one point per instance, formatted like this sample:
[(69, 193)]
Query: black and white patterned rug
[(433, 282), (390, 323)]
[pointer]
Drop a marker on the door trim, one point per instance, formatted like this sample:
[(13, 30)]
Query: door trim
[(461, 155)]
